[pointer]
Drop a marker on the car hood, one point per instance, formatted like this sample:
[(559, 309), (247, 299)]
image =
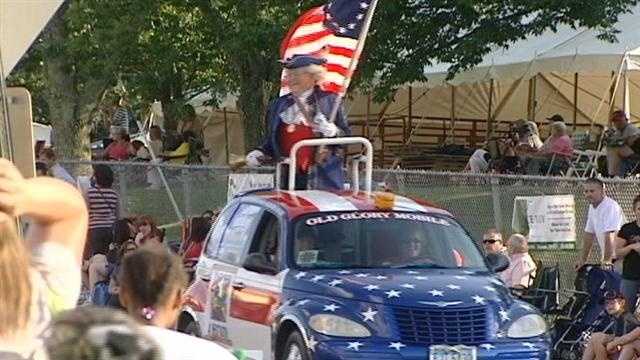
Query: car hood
[(422, 287)]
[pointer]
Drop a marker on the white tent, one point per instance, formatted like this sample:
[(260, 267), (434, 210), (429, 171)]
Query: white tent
[(570, 72)]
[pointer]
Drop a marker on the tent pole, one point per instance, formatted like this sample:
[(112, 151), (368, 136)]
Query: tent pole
[(602, 98), (575, 101), (408, 133), (626, 106), (534, 96), (489, 119)]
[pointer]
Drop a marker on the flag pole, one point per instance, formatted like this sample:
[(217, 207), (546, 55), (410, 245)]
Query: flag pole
[(354, 60)]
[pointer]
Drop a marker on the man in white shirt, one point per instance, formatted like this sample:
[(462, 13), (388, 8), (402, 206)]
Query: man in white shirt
[(604, 220)]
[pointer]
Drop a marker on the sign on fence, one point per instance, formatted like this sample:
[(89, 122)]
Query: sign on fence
[(549, 219), (244, 182)]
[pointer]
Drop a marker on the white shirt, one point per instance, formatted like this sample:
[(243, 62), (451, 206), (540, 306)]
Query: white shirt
[(59, 172), (175, 345), (477, 162), (606, 217)]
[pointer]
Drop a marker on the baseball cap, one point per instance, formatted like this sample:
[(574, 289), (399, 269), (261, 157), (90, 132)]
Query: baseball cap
[(300, 61), (612, 295)]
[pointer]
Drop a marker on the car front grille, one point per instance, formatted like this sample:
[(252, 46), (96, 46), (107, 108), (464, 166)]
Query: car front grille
[(450, 326)]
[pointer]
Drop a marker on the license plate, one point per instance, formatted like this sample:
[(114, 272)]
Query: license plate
[(446, 352)]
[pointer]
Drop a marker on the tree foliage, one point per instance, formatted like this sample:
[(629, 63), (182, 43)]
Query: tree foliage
[(173, 50)]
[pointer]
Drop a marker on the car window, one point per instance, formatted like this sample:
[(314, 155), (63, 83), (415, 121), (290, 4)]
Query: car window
[(383, 239), (215, 234), (238, 233), (267, 239)]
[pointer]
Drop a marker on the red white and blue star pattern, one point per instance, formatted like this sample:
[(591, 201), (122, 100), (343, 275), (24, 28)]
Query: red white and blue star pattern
[(378, 291)]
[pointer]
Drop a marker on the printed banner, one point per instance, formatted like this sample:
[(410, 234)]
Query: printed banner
[(545, 219)]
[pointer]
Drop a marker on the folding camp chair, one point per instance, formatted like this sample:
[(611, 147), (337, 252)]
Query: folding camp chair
[(584, 164)]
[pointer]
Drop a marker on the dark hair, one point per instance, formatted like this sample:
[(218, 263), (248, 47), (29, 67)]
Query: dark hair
[(594, 181), (200, 227), (150, 276), (38, 147), (103, 175), (98, 333), (48, 153), (636, 200), (40, 166), (188, 136), (121, 231), (126, 137)]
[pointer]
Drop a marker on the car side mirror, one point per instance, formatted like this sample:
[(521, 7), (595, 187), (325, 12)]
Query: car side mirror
[(498, 262), (257, 262)]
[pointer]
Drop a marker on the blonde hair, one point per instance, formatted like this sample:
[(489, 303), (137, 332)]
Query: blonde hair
[(15, 283), (518, 243), (317, 71)]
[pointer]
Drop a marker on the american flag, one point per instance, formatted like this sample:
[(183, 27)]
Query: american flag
[(330, 31)]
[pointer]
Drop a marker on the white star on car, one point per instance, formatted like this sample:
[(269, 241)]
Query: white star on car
[(317, 278), (335, 282), (364, 5), (344, 272), (487, 346), (300, 275), (499, 335), (529, 345), (408, 286), (369, 314), (490, 288), (354, 346), (461, 277), (372, 287), (381, 277), (504, 315), (435, 292), (397, 345), (393, 294), (479, 299), (302, 302), (411, 272), (362, 275), (332, 307), (311, 343), (453, 287), (421, 277)]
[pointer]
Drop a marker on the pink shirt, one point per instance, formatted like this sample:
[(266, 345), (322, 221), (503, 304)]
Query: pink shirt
[(520, 272), (562, 145), (117, 151)]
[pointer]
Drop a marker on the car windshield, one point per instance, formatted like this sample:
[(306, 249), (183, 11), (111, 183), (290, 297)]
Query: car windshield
[(383, 240)]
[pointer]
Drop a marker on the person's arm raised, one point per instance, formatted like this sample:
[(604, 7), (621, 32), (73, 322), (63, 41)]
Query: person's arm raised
[(56, 209)]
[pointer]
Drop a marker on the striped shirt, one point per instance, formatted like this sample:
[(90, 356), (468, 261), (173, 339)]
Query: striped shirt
[(122, 118), (103, 207)]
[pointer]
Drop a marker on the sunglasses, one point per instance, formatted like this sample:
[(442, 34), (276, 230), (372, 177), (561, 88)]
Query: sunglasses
[(490, 241)]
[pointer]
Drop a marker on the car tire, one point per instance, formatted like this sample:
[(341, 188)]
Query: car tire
[(192, 329), (295, 348)]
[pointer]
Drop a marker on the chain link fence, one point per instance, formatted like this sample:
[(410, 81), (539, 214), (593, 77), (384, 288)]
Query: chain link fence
[(478, 201)]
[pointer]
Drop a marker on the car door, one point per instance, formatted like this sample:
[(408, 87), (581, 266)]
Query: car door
[(255, 294), (224, 265)]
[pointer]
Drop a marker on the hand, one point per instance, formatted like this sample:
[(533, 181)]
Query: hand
[(323, 126), (636, 247), (139, 237), (254, 158), (612, 347), (13, 191)]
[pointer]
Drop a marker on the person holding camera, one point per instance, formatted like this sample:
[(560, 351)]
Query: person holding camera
[(619, 141)]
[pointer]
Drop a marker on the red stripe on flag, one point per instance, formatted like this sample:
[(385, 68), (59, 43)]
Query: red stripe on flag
[(343, 51), (337, 69), (302, 20), (305, 39), (332, 87)]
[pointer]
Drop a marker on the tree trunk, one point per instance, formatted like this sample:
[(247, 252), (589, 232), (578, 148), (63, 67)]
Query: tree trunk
[(251, 105), (71, 130)]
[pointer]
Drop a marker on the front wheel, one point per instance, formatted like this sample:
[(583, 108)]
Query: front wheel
[(295, 348)]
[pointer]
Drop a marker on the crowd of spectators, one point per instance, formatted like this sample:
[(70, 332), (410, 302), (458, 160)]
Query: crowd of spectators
[(522, 151)]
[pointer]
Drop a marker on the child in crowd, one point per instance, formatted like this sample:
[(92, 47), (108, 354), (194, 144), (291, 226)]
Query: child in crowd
[(602, 345), (40, 274), (148, 232), (98, 334), (152, 283)]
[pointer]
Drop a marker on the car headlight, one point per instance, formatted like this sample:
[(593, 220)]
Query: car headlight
[(334, 325), (527, 326)]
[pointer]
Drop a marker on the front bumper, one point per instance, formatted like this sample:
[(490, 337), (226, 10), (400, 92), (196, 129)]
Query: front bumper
[(514, 350)]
